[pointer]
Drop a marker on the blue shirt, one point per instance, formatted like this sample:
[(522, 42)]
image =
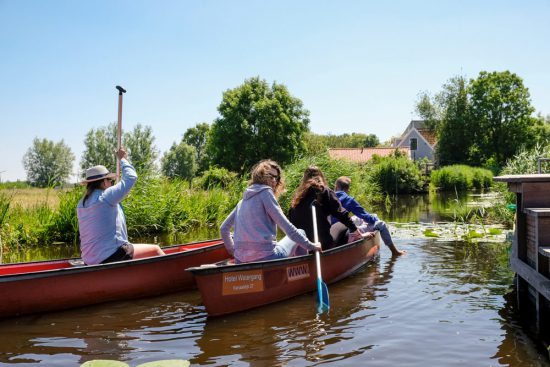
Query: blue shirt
[(101, 221), (351, 205)]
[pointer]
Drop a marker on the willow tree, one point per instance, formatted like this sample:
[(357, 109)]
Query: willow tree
[(48, 163)]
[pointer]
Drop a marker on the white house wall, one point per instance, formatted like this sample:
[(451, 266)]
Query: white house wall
[(423, 149)]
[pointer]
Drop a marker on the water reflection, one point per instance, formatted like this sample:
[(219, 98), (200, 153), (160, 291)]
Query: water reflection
[(429, 208), (516, 348), (291, 331), (137, 331), (444, 303)]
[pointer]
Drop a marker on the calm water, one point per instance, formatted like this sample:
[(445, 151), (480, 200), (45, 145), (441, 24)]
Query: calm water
[(446, 303)]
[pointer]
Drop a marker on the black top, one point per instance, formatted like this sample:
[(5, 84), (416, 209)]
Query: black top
[(326, 204)]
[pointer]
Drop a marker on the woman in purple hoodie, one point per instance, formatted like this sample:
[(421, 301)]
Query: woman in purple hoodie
[(256, 217)]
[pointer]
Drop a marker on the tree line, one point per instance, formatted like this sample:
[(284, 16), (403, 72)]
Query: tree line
[(479, 122), (256, 121), (483, 121)]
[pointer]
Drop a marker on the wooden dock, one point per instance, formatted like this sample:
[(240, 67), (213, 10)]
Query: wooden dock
[(531, 246)]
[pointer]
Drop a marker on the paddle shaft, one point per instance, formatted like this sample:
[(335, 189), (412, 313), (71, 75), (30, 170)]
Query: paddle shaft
[(316, 240), (119, 128)]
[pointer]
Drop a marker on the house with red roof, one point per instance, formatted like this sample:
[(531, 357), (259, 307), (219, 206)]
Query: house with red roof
[(362, 155), (419, 139)]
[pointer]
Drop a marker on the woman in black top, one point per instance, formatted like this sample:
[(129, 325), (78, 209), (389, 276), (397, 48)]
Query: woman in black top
[(314, 188)]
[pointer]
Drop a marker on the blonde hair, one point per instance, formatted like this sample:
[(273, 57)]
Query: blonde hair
[(342, 184), (259, 175), (313, 177)]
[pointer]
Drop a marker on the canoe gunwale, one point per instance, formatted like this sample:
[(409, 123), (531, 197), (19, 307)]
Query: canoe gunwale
[(99, 267), (206, 270)]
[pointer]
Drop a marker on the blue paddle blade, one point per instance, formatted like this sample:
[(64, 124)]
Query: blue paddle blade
[(323, 303)]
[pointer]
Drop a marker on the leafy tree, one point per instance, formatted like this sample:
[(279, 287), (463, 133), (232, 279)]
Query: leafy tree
[(179, 161), (142, 151), (197, 137), (455, 136), (371, 141), (316, 144), (429, 109), (541, 126), (100, 144), (501, 112), (257, 121), (48, 163)]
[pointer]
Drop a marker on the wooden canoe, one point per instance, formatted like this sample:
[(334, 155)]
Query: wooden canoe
[(237, 287), (41, 286)]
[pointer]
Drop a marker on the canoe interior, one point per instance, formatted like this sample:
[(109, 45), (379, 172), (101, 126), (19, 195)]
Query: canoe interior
[(38, 266)]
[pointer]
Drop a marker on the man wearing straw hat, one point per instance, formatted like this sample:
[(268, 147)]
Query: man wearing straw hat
[(101, 220)]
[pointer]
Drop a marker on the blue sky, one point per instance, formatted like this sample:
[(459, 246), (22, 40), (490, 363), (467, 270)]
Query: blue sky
[(358, 66)]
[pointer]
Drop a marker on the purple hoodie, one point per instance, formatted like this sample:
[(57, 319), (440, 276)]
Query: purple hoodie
[(255, 220)]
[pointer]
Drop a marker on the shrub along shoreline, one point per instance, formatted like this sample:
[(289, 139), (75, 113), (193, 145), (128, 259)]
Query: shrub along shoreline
[(159, 205)]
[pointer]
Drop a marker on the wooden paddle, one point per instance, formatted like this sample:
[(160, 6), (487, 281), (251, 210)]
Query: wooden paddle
[(119, 128), (323, 303)]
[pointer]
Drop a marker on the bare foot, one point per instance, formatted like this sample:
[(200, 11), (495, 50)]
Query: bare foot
[(397, 252)]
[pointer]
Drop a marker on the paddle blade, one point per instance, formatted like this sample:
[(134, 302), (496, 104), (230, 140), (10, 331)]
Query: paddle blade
[(323, 303)]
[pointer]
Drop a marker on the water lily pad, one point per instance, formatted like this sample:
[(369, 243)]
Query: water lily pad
[(430, 233), (473, 234), (166, 363), (104, 363)]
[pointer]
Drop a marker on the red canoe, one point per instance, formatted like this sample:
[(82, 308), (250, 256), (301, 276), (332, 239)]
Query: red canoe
[(232, 288), (60, 284)]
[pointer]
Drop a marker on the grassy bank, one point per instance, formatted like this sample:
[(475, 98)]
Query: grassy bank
[(39, 217)]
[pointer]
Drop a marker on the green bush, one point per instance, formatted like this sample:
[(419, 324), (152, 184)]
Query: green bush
[(363, 188), (525, 162), (216, 177), (461, 178), (396, 174)]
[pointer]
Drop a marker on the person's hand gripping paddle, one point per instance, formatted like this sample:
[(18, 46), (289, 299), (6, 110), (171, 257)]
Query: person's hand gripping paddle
[(323, 303)]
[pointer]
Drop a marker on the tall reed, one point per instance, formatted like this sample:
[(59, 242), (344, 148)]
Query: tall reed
[(460, 178), (363, 187)]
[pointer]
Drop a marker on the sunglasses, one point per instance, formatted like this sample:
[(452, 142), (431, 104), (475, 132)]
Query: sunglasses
[(275, 177)]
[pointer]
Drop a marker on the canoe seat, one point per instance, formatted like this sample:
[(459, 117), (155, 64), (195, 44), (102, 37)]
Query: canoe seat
[(77, 262)]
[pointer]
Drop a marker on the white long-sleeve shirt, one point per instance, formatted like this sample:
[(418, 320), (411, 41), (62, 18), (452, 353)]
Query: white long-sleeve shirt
[(101, 221)]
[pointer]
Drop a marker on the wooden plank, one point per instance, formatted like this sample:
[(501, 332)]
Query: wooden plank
[(536, 280), (523, 178), (544, 251), (537, 212)]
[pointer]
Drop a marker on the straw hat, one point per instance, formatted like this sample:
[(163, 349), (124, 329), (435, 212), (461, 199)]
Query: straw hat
[(97, 173)]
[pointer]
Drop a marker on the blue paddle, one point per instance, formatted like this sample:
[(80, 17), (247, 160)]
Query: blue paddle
[(323, 303)]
